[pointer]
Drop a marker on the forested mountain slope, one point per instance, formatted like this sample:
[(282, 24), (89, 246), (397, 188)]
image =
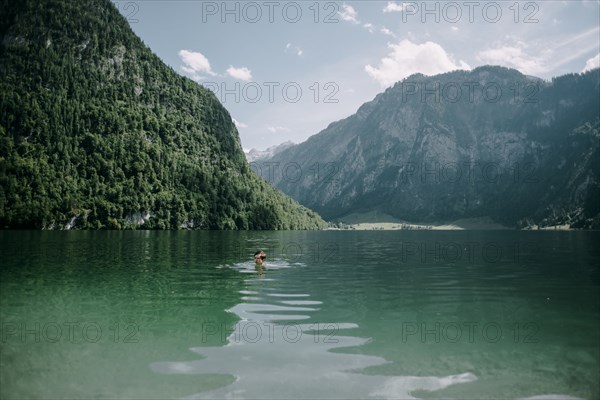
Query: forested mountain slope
[(97, 132)]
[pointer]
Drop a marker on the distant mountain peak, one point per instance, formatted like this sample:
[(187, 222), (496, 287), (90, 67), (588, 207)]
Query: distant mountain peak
[(255, 154)]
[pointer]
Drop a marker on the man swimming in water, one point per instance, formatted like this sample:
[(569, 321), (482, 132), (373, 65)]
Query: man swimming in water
[(260, 257), (259, 261)]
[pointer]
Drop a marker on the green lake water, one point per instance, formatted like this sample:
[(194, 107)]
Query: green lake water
[(337, 314)]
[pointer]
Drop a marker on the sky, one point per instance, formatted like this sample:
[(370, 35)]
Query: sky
[(285, 70)]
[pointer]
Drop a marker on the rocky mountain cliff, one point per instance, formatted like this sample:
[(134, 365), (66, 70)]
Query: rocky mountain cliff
[(490, 142)]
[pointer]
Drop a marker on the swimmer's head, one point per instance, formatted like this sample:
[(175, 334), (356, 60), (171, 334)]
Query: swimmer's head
[(259, 257)]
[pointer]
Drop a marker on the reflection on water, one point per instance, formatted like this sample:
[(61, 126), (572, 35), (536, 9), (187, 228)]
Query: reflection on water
[(272, 355)]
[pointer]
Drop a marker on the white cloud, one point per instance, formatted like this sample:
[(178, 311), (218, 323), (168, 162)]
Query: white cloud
[(195, 77), (369, 26), (592, 63), (407, 58), (277, 129), (297, 49), (573, 47), (239, 124), (393, 7), (386, 31), (454, 28), (348, 13), (243, 74), (539, 58), (194, 62), (591, 3), (514, 56)]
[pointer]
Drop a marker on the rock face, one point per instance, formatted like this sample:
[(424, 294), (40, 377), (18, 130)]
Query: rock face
[(490, 142)]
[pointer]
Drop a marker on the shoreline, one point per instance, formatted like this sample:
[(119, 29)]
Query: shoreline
[(459, 225)]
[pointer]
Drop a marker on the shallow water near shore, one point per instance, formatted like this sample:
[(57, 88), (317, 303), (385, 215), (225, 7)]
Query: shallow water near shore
[(336, 314)]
